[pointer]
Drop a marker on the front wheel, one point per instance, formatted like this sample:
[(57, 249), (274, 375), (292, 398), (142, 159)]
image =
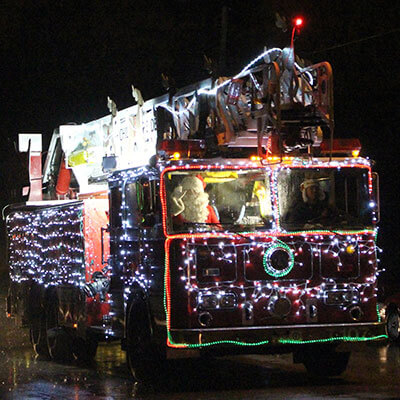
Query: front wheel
[(324, 361), (143, 359), (393, 325)]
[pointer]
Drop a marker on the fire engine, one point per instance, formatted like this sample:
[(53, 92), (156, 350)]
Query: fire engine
[(220, 218)]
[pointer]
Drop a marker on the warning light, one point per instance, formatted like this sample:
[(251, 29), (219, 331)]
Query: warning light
[(298, 22), (75, 326), (297, 25), (255, 158), (350, 249), (178, 149), (355, 153)]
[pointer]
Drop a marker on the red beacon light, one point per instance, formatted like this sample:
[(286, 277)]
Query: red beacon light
[(298, 22)]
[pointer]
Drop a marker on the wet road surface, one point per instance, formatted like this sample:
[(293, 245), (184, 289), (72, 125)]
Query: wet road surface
[(373, 373)]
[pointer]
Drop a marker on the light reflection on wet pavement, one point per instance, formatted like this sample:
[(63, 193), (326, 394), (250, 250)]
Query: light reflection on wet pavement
[(373, 373)]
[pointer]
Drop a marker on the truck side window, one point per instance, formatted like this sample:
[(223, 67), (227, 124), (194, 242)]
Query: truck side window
[(131, 206), (147, 201), (115, 207)]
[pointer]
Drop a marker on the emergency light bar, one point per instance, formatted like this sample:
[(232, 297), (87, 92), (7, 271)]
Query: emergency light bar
[(178, 148), (349, 147)]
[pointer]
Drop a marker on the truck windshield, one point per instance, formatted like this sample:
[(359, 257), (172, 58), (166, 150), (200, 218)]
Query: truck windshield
[(324, 198), (199, 201)]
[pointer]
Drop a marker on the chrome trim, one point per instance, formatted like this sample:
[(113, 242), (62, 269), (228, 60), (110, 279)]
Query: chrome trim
[(272, 327)]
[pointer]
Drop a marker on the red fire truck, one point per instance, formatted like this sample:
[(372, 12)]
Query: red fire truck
[(221, 218)]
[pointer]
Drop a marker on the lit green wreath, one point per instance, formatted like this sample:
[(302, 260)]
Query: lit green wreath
[(269, 269)]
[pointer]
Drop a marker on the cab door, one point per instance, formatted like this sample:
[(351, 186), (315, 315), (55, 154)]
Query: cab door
[(151, 242)]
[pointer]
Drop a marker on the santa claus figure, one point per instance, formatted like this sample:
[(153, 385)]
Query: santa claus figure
[(189, 202)]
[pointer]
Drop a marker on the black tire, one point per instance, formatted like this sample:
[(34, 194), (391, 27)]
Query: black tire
[(59, 342), (85, 349), (143, 358), (393, 325), (325, 362), (38, 337)]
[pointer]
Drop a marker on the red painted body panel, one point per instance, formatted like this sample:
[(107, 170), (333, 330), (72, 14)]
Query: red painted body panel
[(95, 218), (241, 272)]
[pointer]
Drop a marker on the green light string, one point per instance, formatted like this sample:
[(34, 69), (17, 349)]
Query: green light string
[(215, 343), (332, 339), (377, 313), (281, 341)]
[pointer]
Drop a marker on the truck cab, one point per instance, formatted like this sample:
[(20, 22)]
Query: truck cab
[(222, 256)]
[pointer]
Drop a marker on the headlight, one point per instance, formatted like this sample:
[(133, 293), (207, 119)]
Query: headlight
[(228, 300), (339, 296), (212, 301), (208, 301)]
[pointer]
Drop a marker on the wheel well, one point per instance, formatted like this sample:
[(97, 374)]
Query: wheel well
[(391, 307), (137, 298), (50, 296)]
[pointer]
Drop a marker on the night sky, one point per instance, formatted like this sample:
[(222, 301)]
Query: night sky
[(61, 59)]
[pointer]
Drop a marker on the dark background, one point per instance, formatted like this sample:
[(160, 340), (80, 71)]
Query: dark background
[(61, 59)]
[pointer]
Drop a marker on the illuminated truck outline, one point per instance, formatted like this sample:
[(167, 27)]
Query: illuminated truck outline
[(130, 294)]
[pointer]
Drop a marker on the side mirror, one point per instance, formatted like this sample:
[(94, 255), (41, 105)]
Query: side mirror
[(145, 196), (147, 201), (375, 198)]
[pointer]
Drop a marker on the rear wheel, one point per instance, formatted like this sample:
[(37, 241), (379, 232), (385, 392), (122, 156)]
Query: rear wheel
[(59, 342), (324, 361), (393, 325), (85, 349), (37, 326), (38, 337), (144, 359)]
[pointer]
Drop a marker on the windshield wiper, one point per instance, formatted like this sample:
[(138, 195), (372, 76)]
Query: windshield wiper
[(344, 227), (235, 232), (224, 227)]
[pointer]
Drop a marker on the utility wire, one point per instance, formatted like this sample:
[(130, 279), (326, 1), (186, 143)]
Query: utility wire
[(355, 41)]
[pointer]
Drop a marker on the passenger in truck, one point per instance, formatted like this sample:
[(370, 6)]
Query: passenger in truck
[(190, 203), (312, 209)]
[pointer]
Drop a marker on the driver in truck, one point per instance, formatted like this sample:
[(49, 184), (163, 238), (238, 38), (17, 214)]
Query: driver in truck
[(312, 208)]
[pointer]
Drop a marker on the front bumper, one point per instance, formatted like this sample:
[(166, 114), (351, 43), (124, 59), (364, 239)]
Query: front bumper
[(278, 335)]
